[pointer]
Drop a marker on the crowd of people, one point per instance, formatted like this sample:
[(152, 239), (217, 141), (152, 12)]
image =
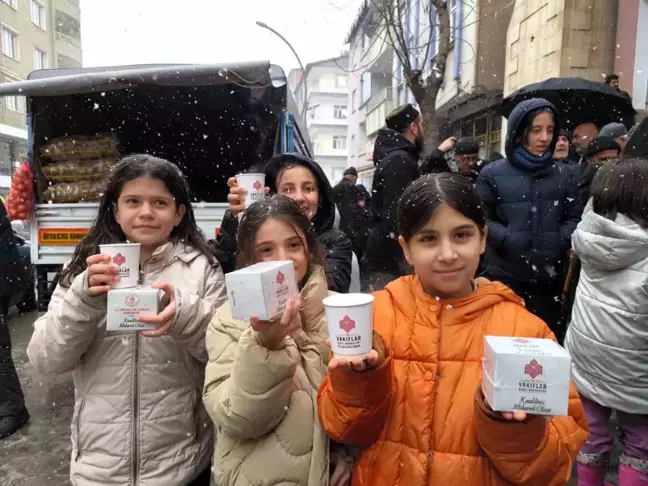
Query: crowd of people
[(453, 247)]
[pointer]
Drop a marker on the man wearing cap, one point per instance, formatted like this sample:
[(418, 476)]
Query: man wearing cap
[(466, 158), (596, 154), (396, 154), (617, 131), (352, 203)]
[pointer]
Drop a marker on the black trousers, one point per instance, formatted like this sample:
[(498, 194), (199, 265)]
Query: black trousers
[(12, 400)]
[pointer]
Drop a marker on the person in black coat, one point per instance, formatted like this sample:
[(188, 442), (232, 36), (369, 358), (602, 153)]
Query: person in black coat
[(533, 209), (303, 180), (351, 200), (13, 413), (396, 156)]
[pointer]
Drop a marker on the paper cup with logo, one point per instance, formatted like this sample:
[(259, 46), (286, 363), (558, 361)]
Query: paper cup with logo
[(127, 258), (350, 324), (254, 184)]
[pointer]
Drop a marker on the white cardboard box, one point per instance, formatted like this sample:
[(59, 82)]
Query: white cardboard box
[(261, 289), (527, 374), (125, 306)]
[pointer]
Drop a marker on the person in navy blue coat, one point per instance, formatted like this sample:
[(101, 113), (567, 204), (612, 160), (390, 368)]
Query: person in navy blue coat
[(533, 209)]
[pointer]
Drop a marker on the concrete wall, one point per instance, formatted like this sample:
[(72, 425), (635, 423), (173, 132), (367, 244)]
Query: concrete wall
[(552, 38), (640, 75), (494, 19)]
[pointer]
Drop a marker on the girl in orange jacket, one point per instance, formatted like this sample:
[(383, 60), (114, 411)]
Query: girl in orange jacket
[(415, 404)]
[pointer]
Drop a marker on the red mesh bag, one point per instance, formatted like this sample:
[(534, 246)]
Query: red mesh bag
[(20, 200)]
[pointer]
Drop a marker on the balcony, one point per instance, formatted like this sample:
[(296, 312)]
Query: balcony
[(377, 109), (68, 40)]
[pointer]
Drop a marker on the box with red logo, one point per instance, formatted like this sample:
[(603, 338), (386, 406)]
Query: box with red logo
[(527, 374), (125, 306), (261, 290)]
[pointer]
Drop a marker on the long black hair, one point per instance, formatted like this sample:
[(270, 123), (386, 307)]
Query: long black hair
[(106, 230), (621, 187), (283, 209), (424, 196)]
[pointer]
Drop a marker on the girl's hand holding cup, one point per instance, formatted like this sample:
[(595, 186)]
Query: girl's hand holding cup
[(272, 333), (374, 358), (236, 196), (102, 274)]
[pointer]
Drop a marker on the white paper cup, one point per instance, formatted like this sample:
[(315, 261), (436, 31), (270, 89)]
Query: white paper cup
[(127, 258), (254, 184), (350, 324)]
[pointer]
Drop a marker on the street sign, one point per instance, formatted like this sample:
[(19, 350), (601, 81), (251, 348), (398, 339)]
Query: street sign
[(60, 236)]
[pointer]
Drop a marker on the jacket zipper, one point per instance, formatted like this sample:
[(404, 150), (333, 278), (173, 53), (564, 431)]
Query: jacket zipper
[(78, 430), (135, 454)]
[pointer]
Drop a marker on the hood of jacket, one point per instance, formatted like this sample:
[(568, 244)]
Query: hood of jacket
[(516, 123), (388, 141), (408, 294), (609, 244), (325, 216)]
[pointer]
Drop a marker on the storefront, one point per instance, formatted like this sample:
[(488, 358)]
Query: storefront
[(480, 119)]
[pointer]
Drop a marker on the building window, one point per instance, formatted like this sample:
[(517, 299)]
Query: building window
[(353, 101), (339, 142), (340, 82), (38, 14), (12, 3), (9, 43), (453, 18), (340, 112), (365, 87), (400, 98), (40, 59), (14, 103), (353, 144)]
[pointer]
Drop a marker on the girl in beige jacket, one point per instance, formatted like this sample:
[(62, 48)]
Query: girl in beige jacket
[(262, 377), (138, 416)]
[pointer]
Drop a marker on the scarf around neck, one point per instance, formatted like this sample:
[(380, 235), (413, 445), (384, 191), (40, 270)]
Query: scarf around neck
[(524, 160)]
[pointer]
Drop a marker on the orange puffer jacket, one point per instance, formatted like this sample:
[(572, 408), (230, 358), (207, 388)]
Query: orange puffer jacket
[(420, 416)]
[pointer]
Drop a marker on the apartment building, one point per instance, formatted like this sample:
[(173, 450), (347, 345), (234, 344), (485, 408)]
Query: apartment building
[(36, 34), (467, 104), (323, 86)]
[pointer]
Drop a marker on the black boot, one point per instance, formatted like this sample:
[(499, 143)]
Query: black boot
[(11, 423)]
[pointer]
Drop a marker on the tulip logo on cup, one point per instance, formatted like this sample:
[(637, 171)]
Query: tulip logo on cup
[(127, 258), (350, 324), (257, 185), (347, 324)]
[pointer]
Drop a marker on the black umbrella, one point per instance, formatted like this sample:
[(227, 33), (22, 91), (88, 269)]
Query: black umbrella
[(637, 145), (579, 100)]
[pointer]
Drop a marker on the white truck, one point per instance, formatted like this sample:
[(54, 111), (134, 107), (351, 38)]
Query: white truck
[(213, 121)]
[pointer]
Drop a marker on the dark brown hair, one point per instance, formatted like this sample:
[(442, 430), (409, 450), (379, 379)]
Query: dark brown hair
[(621, 187), (424, 196), (283, 209)]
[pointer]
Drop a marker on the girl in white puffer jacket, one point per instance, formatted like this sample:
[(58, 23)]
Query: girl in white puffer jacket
[(608, 335), (138, 415)]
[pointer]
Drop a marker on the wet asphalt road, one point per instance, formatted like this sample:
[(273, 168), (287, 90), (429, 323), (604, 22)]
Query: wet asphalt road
[(39, 453)]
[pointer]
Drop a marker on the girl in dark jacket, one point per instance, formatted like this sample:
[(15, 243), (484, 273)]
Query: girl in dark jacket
[(533, 209), (302, 180)]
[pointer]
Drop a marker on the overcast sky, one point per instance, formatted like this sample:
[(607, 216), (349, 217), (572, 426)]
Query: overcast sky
[(212, 31)]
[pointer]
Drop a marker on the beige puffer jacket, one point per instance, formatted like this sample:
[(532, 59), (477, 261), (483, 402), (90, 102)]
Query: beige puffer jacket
[(138, 415), (264, 402)]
